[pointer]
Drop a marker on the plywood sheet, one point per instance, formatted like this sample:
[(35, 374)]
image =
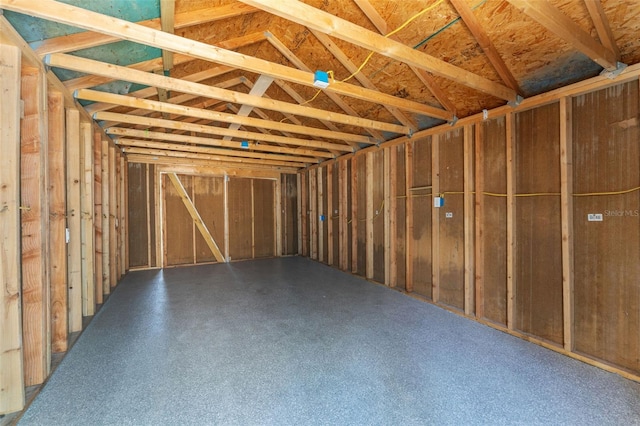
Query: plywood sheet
[(451, 218), (240, 213), (607, 254), (378, 216), (264, 217), (137, 216), (493, 221), (179, 228), (538, 285), (420, 240), (349, 230), (208, 198)]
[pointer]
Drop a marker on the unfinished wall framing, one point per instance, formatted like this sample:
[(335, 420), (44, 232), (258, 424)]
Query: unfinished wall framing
[(539, 231), (52, 217)]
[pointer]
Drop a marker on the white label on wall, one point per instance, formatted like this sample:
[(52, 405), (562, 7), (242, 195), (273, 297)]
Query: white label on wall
[(594, 217), (448, 215)]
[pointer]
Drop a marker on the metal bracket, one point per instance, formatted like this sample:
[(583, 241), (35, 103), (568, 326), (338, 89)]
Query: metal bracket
[(611, 74), (518, 100), (453, 121)]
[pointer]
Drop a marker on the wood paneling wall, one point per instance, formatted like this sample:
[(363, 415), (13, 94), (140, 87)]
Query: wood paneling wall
[(513, 246)]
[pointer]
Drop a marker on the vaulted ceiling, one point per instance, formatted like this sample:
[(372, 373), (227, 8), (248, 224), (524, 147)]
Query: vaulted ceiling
[(233, 81)]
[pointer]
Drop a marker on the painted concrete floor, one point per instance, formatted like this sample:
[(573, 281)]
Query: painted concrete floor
[(292, 342)]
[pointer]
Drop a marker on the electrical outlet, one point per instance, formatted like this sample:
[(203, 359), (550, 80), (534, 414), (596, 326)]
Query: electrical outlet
[(594, 217), (448, 215)]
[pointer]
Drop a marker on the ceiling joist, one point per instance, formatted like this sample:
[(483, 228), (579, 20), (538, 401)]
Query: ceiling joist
[(62, 60)]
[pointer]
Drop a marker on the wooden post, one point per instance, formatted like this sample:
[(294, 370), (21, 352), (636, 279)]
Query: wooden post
[(320, 214), (87, 239), (342, 212), (354, 214), (35, 235), (97, 216), (57, 224), (11, 364), (106, 223), (304, 212), (369, 215), (511, 219), (313, 214), (113, 278), (389, 216), (329, 214), (226, 217), (74, 248), (123, 215), (566, 197), (435, 219), (280, 233), (479, 217), (300, 212), (469, 261), (253, 220), (408, 151)]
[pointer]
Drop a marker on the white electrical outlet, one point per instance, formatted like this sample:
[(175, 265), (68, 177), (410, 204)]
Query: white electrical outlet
[(448, 215), (594, 217)]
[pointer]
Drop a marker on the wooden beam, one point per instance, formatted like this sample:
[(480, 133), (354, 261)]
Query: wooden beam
[(85, 40), (562, 26), (34, 224), (74, 247), (210, 157), (97, 213), (213, 130), (87, 212), (318, 20), (259, 88), (313, 214), (352, 68), (57, 223), (469, 240), (369, 215), (75, 63), (566, 206), (237, 119), (511, 220), (75, 16), (603, 28), (106, 223), (113, 249), (485, 43), (167, 22), (435, 219), (123, 214), (343, 210), (321, 214), (299, 210), (426, 78), (329, 216), (391, 205), (354, 214), (252, 146), (232, 168), (480, 237), (408, 163), (214, 151), (304, 213), (11, 362)]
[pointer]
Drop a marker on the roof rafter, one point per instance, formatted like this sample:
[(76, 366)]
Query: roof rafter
[(82, 18), (319, 20), (562, 26), (603, 28)]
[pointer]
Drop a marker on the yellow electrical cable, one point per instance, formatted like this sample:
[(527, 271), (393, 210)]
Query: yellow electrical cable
[(597, 194)]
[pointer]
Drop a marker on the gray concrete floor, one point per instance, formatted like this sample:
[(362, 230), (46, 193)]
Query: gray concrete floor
[(292, 342)]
